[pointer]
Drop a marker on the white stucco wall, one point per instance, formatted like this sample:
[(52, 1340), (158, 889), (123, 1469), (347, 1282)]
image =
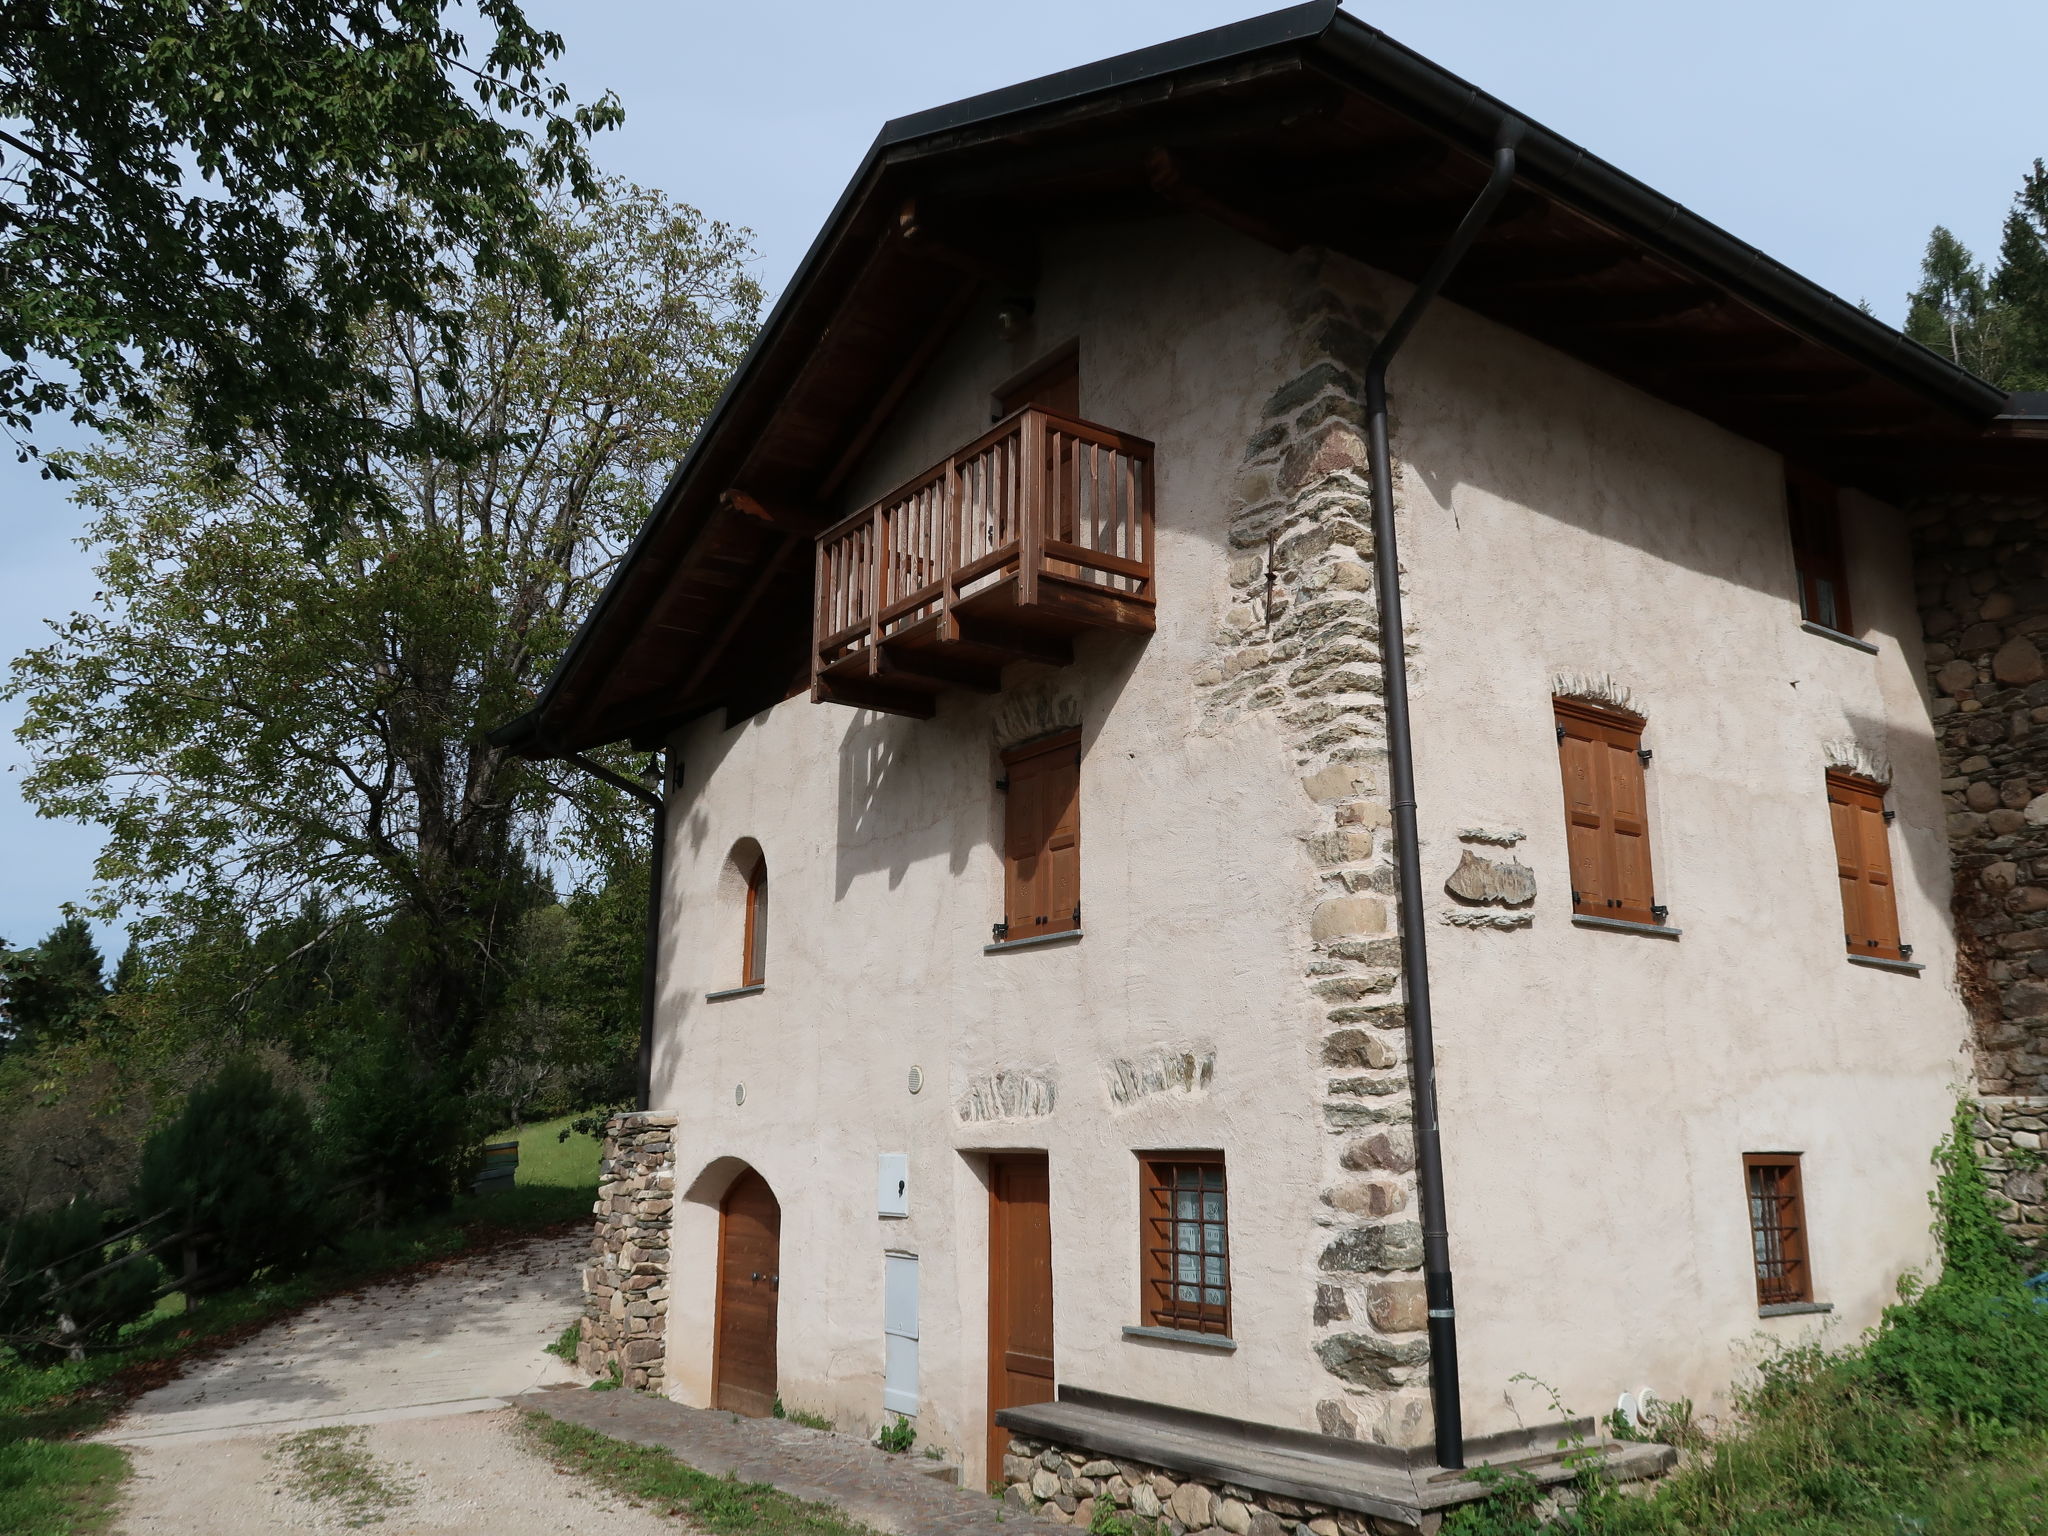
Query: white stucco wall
[(884, 875), (1598, 1089)]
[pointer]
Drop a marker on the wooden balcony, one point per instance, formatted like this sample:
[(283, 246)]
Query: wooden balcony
[(1034, 533)]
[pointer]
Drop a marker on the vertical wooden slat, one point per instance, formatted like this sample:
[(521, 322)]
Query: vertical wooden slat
[(1031, 513)]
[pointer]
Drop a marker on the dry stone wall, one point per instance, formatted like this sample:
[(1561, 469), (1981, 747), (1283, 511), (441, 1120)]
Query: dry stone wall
[(1063, 1484), (1300, 642), (625, 1285), (1982, 569)]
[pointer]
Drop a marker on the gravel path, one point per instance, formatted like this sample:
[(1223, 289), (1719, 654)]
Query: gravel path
[(419, 1371)]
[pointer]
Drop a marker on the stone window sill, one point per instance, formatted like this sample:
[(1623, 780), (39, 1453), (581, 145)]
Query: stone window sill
[(1031, 943), (1880, 963), (1616, 925), (1181, 1336), (1794, 1308), (731, 992), (1838, 637)]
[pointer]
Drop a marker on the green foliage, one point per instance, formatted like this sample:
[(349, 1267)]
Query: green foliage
[(201, 204), (1105, 1519), (398, 1128), (282, 727), (1977, 1253), (898, 1437), (53, 1297), (720, 1506), (564, 1347), (49, 995), (239, 1167), (611, 1380), (1995, 324)]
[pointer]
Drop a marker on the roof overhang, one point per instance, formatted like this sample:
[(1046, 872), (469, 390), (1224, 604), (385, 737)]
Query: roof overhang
[(1302, 127)]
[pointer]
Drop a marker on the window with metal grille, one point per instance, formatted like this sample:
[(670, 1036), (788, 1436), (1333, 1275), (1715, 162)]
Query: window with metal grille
[(1777, 1227), (1186, 1256), (1816, 519)]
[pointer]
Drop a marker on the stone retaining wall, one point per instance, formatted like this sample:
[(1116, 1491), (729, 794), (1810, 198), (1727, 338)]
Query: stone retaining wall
[(1063, 1484), (2010, 1133), (625, 1311)]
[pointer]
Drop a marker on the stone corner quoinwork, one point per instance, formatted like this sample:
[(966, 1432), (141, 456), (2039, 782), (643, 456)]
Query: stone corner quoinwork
[(625, 1285), (1981, 562), (1300, 641)]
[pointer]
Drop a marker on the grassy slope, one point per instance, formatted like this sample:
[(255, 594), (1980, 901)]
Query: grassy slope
[(51, 1485)]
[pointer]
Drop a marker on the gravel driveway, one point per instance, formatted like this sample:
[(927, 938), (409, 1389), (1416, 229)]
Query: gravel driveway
[(403, 1388)]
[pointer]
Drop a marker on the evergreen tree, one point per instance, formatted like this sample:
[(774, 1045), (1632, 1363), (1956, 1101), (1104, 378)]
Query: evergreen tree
[(49, 993), (1995, 325)]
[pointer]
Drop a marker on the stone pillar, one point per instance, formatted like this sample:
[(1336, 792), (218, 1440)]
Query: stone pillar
[(1300, 642), (625, 1311)]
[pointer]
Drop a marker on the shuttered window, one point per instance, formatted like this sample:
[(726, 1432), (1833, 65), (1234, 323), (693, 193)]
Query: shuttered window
[(1606, 815), (754, 941), (1042, 838), (1863, 863), (1777, 1227), (1186, 1254), (1816, 518)]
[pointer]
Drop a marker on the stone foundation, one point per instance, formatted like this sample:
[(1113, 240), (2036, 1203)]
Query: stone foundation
[(1063, 1484), (625, 1312), (2010, 1133)]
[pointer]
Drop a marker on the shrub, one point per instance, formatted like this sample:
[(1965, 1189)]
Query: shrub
[(51, 1299), (898, 1437), (400, 1129), (238, 1167)]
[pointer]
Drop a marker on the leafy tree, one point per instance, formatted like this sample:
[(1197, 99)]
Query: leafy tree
[(50, 993), (201, 204), (1995, 325), (260, 720), (241, 1170)]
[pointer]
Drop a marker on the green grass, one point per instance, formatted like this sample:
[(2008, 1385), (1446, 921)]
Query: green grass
[(546, 1159), (564, 1347), (58, 1489), (334, 1466), (721, 1506)]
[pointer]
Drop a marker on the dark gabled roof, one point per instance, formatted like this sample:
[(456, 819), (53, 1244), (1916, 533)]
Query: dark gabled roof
[(1304, 126)]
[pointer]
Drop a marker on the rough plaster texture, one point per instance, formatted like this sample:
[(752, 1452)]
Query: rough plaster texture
[(1599, 1088), (881, 840), (1560, 530)]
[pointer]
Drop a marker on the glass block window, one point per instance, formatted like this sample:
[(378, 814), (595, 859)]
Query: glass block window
[(1186, 1242)]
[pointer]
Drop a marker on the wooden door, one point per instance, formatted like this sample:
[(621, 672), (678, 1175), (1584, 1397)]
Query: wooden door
[(1020, 1352), (749, 1282)]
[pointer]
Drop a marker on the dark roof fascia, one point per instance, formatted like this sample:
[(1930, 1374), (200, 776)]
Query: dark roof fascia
[(527, 734), (1410, 83), (2026, 405)]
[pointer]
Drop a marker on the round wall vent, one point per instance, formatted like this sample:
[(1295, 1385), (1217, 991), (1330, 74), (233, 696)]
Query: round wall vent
[(917, 1079)]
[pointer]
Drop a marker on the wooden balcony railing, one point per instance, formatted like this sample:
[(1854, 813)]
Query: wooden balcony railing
[(1035, 532)]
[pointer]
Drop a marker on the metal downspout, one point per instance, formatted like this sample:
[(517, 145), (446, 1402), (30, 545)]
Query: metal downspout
[(1429, 1164), (657, 799)]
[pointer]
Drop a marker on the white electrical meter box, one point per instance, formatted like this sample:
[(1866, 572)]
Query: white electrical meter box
[(892, 1185)]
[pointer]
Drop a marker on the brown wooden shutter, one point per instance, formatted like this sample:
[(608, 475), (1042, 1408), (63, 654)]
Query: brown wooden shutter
[(1606, 812), (1814, 509), (1863, 865), (754, 956), (1042, 838)]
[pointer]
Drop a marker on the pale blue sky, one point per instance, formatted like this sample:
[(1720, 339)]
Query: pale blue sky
[(1832, 133)]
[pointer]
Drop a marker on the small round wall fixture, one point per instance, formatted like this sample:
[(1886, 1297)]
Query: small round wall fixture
[(739, 1093), (917, 1079)]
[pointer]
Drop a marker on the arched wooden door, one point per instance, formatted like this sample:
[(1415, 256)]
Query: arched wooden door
[(749, 1281)]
